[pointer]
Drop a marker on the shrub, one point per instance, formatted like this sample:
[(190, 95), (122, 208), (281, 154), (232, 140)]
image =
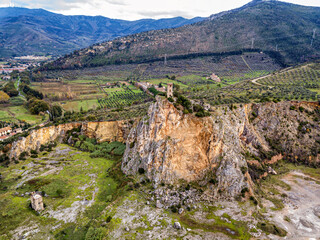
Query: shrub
[(213, 181), (94, 234), (96, 154), (33, 152), (141, 171), (254, 200), (4, 97), (254, 114), (109, 218), (10, 89), (36, 106), (77, 145), (59, 192), (185, 111), (23, 156), (119, 150), (174, 209), (202, 114), (198, 108), (244, 169), (244, 190)]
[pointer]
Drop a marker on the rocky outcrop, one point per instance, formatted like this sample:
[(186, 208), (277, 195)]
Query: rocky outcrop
[(39, 137), (172, 147), (107, 131), (102, 131)]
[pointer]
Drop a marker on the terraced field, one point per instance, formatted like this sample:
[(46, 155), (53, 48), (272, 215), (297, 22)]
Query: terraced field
[(68, 90)]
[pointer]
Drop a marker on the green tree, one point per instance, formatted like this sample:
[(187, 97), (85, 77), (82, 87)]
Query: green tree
[(56, 111)]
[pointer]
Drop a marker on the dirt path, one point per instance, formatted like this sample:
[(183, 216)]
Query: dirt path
[(254, 81), (301, 214)]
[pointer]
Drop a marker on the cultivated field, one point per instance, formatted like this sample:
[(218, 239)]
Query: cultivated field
[(92, 88), (300, 83)]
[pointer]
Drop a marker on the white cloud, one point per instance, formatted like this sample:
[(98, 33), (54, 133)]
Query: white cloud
[(137, 9)]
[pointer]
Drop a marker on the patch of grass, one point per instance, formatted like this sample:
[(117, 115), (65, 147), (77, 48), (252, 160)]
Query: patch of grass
[(72, 232), (21, 113), (277, 203), (107, 189), (94, 211), (272, 229), (78, 104), (57, 188), (312, 172), (164, 223), (234, 229), (286, 218)]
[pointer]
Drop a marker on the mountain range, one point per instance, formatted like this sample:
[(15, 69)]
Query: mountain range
[(26, 31), (287, 30)]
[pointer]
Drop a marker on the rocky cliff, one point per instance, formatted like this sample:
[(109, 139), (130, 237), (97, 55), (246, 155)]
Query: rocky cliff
[(219, 150), (107, 131), (102, 131)]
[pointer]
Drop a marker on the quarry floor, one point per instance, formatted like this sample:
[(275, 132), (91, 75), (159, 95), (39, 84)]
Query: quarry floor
[(300, 216), (85, 188)]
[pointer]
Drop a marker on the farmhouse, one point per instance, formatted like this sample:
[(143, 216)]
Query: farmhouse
[(143, 85), (5, 131), (215, 78)]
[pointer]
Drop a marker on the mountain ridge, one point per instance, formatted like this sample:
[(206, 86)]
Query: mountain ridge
[(57, 34), (265, 25)]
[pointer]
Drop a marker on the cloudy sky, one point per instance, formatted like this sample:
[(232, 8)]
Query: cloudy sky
[(137, 9)]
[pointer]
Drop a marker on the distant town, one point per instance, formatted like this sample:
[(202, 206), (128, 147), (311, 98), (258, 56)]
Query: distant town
[(20, 64)]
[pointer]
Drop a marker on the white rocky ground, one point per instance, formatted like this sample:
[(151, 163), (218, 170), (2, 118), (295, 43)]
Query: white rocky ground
[(301, 215)]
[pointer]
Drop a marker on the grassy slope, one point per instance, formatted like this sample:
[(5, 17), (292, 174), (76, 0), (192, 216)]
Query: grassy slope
[(78, 170)]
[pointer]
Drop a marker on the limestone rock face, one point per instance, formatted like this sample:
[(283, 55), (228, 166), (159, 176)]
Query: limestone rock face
[(107, 131), (171, 146), (38, 137)]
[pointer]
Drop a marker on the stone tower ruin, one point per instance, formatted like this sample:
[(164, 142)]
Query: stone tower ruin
[(36, 201), (170, 90)]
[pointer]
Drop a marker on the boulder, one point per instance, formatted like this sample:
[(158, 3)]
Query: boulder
[(177, 225)]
